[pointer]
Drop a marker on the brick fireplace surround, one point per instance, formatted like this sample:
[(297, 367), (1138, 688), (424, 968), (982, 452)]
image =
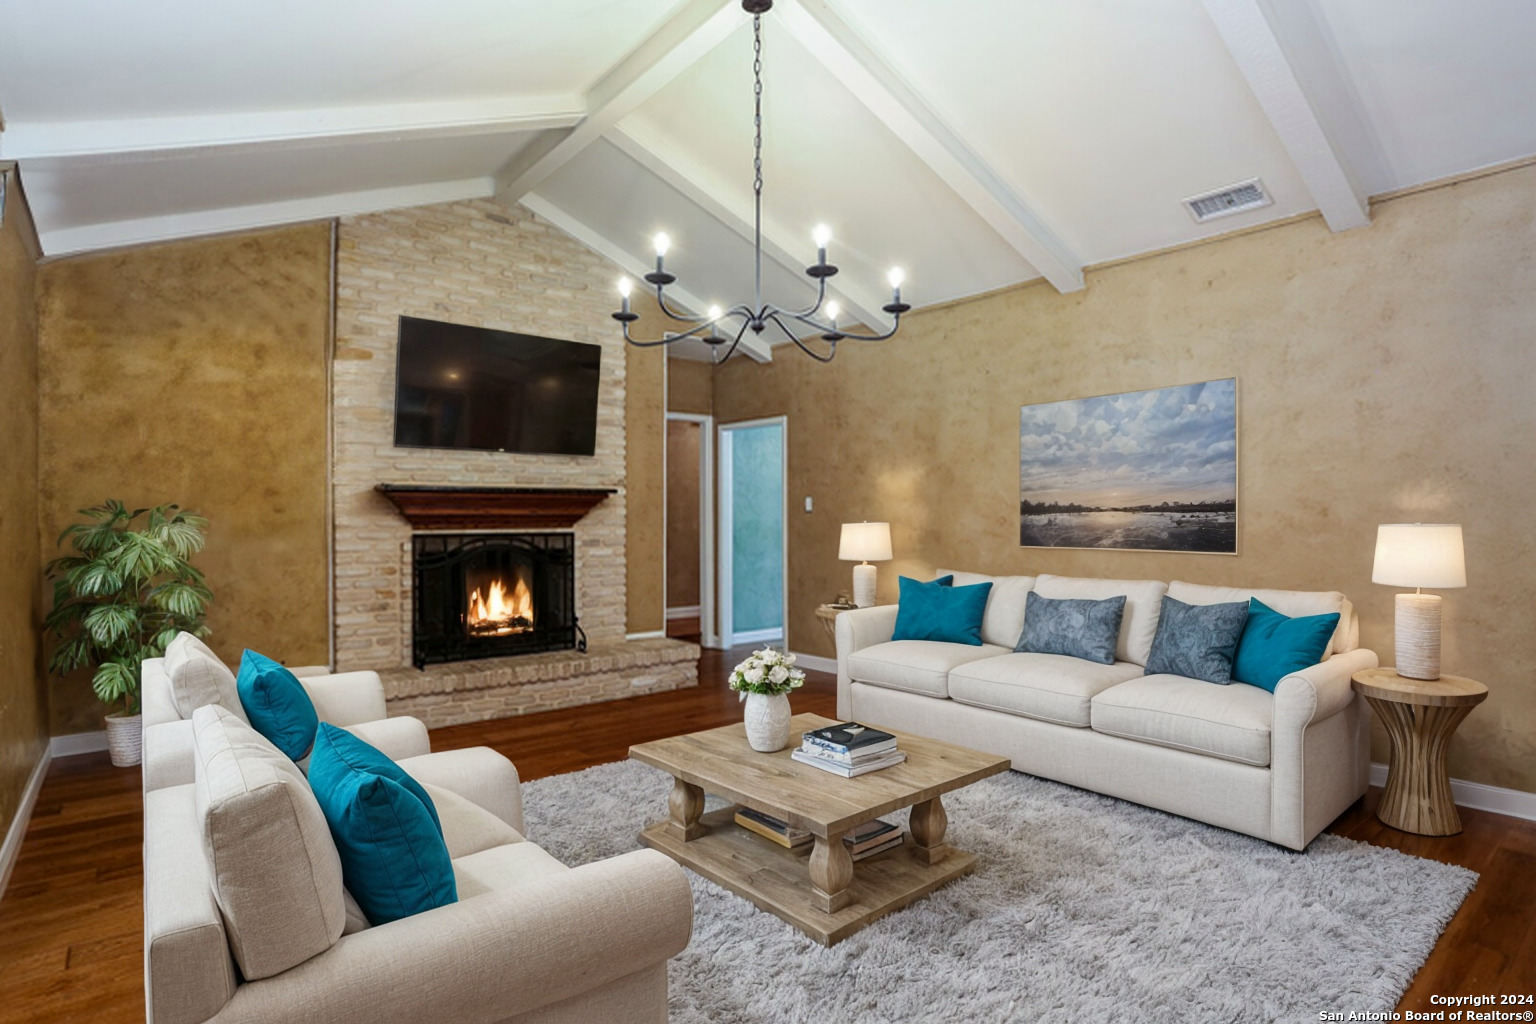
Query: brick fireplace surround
[(475, 263)]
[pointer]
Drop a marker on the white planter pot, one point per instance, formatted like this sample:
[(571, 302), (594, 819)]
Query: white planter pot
[(125, 739), (767, 720)]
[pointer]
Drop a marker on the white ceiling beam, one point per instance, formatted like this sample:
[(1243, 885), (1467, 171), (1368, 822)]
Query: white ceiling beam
[(635, 266), (877, 85), (109, 235), (85, 139), (1252, 35), (688, 35), (696, 184)]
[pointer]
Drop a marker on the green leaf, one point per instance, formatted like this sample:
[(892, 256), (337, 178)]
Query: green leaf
[(64, 615), (110, 623), (72, 654), (96, 579), (116, 681), (182, 599)]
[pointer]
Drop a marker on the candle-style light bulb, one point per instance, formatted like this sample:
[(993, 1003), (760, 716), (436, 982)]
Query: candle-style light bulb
[(821, 235), (662, 244), (626, 286), (832, 310), (714, 312), (896, 276)]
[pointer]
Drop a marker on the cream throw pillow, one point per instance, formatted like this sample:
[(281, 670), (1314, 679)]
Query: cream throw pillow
[(199, 678), (276, 874)]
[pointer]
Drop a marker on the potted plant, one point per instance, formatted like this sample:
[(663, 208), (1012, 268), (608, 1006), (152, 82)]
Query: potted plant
[(122, 597), (764, 681)]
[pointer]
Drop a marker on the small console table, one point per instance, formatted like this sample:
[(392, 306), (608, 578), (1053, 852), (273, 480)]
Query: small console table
[(1420, 716)]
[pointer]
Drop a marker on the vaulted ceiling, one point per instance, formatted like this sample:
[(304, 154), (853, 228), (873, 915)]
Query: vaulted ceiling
[(975, 143)]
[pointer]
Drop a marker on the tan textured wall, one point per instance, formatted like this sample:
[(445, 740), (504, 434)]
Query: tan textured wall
[(195, 372), (645, 414), (1384, 375), (691, 386), (23, 692), (682, 513)]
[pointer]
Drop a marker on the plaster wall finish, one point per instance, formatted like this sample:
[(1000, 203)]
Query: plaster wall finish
[(645, 412), (1384, 376), (195, 373), (470, 263), (683, 524), (691, 386), (23, 691)]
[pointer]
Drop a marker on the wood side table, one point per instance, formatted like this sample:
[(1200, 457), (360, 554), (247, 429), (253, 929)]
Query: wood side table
[(1420, 716), (828, 614)]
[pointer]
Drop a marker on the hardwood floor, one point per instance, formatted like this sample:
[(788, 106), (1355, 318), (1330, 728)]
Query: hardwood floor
[(71, 920)]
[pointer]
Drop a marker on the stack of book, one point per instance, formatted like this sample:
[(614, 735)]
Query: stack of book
[(848, 749), (873, 837), (769, 827)]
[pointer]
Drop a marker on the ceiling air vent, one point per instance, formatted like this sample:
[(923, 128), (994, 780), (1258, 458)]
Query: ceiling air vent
[(1245, 195)]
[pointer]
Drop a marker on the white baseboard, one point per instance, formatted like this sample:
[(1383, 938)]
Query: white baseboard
[(18, 829), (686, 611), (1478, 796), (78, 743), (653, 634), (816, 662), (758, 636)]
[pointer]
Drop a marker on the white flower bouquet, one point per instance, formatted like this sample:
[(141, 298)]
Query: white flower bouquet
[(768, 672)]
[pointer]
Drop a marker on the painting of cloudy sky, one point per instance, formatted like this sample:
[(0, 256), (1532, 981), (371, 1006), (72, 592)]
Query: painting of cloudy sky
[(1150, 470)]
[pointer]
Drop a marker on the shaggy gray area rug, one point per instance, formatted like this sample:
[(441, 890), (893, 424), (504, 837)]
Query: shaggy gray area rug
[(1082, 908)]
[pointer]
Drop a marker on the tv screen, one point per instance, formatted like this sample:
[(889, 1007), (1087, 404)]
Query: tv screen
[(472, 387)]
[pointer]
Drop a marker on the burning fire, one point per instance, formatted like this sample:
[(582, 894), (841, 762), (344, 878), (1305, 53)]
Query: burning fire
[(498, 612)]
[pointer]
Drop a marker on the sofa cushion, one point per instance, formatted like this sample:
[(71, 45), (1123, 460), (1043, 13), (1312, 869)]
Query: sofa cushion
[(1286, 602), (503, 867), (1075, 628), (917, 666), (277, 704), (939, 611), (467, 827), (275, 872), (199, 677), (1229, 722), (393, 856), (1197, 640), (1050, 687), (1143, 600), (1003, 620), (1274, 645)]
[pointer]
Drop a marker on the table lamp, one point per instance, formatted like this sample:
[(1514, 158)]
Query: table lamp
[(864, 543), (1419, 555)]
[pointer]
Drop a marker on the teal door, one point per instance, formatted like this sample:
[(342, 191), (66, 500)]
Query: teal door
[(752, 514)]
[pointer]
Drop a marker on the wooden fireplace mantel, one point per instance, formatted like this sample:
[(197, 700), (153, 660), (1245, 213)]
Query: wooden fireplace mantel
[(493, 508)]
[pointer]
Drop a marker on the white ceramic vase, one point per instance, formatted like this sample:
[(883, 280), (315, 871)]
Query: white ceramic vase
[(125, 739), (767, 719)]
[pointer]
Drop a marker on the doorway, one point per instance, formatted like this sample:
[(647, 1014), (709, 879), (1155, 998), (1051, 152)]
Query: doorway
[(753, 542), (690, 536)]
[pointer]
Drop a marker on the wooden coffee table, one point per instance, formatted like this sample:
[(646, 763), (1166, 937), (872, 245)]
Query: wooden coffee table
[(817, 889)]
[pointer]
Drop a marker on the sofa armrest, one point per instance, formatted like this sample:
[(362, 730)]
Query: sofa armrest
[(855, 630), (491, 957), (1319, 691), (397, 738), (168, 757), (346, 698), (478, 774), (305, 671)]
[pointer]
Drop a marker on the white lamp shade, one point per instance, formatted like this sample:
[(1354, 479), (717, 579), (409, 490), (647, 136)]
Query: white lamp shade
[(1420, 555), (865, 542)]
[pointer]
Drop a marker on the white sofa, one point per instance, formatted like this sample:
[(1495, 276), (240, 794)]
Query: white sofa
[(1278, 766), (259, 929)]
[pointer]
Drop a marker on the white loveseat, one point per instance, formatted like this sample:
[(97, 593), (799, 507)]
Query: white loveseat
[(1280, 766)]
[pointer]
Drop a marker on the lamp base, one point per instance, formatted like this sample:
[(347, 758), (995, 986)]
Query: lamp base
[(1417, 638), (864, 585)]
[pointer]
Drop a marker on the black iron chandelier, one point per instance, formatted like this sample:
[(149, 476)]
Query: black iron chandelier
[(759, 315)]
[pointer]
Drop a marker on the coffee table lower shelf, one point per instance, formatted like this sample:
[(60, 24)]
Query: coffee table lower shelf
[(778, 880)]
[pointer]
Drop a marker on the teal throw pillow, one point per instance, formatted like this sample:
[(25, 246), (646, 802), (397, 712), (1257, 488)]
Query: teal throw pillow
[(276, 704), (1075, 628), (1274, 645), (1197, 640), (939, 611), (394, 861)]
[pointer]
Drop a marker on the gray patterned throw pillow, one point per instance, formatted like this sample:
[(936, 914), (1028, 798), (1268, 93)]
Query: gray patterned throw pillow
[(1197, 640), (1078, 629)]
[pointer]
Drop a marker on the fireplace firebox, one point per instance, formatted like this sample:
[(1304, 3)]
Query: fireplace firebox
[(491, 595)]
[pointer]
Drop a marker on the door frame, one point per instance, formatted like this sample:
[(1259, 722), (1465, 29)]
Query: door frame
[(727, 635), (706, 423)]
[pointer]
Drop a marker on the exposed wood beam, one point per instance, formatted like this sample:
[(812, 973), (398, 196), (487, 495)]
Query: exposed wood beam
[(106, 139), (878, 86), (688, 35), (700, 187), (633, 265), (113, 234), (1253, 36)]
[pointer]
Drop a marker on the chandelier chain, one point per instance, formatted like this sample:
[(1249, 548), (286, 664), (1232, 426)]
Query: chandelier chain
[(757, 155)]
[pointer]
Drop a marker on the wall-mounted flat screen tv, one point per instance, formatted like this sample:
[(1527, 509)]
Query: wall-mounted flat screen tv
[(472, 387)]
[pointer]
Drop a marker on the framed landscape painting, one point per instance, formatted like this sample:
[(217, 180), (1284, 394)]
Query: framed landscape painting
[(1145, 470)]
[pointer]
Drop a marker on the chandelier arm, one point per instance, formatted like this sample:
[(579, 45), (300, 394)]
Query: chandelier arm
[(676, 314), (801, 345), (667, 339), (828, 328), (734, 342)]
